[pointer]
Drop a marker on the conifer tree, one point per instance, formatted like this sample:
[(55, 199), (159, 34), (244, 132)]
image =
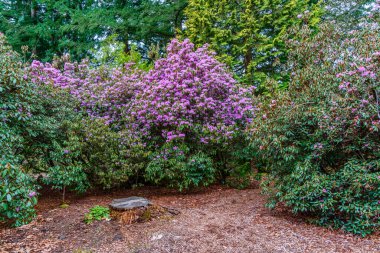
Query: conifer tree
[(248, 34)]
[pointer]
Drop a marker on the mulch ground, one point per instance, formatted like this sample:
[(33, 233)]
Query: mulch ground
[(216, 219)]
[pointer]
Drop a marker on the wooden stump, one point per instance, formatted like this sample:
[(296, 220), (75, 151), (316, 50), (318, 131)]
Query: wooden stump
[(129, 203), (136, 209)]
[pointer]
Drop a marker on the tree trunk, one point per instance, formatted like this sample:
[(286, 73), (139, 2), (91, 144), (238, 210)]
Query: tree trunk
[(126, 48), (247, 59), (63, 194), (33, 10)]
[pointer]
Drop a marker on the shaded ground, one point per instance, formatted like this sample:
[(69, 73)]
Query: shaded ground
[(213, 220)]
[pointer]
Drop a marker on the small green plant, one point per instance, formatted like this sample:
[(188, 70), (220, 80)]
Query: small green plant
[(97, 213), (82, 251), (64, 206)]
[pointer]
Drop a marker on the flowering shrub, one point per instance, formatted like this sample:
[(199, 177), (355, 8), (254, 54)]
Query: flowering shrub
[(321, 138), (32, 127), (189, 99)]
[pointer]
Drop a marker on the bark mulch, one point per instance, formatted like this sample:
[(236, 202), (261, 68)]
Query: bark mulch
[(216, 219)]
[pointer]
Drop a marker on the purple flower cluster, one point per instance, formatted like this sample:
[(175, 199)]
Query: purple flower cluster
[(190, 94), (103, 92)]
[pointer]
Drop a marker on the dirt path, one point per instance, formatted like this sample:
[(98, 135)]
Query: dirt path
[(213, 220)]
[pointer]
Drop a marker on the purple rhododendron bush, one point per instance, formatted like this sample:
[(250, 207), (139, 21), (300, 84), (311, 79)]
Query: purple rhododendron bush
[(321, 138), (191, 113), (186, 116)]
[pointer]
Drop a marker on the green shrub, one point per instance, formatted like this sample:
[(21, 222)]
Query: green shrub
[(93, 154), (17, 190), (16, 97), (175, 167), (35, 130), (17, 195), (112, 157), (321, 139), (97, 213)]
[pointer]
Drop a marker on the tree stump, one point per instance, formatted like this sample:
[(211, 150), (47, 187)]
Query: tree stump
[(129, 203), (136, 209)]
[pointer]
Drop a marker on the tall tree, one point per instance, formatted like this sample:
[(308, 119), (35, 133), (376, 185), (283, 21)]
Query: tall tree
[(51, 27), (247, 34)]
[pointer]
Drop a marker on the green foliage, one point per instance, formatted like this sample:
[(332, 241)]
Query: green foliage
[(346, 199), (97, 213), (94, 136), (33, 117), (248, 34), (93, 154), (112, 53), (175, 167), (16, 96), (240, 177), (51, 146), (67, 177), (320, 139), (112, 158), (55, 27), (17, 195)]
